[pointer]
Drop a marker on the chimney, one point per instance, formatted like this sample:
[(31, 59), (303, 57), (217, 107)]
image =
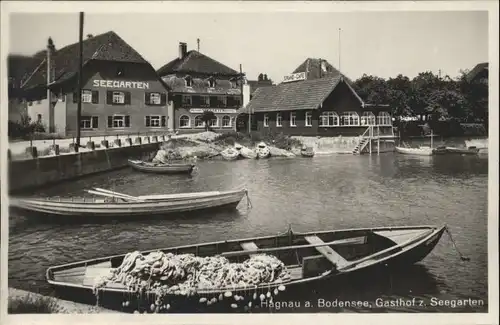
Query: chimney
[(50, 60), (182, 50)]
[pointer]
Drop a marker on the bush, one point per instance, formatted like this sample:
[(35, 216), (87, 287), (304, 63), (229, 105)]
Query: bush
[(30, 304), (25, 128), (278, 140)]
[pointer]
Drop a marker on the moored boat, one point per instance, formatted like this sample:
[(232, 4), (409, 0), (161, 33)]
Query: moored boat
[(307, 152), (230, 154), (245, 152), (455, 151), (235, 271), (170, 168), (420, 151), (263, 150), (118, 205)]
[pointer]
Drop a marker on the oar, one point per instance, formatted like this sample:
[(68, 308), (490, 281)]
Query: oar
[(115, 193), (113, 196)]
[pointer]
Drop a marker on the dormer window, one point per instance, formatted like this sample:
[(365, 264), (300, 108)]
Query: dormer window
[(211, 82), (189, 81), (234, 83)]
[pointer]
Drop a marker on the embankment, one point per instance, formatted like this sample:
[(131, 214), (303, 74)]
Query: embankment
[(21, 301), (31, 173)]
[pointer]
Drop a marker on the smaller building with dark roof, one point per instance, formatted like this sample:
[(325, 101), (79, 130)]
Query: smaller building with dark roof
[(316, 100), (198, 83), (121, 92)]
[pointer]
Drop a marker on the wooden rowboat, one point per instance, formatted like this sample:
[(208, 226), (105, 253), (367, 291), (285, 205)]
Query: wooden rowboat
[(471, 151), (421, 151), (245, 152), (308, 257), (121, 205), (307, 152), (170, 168), (230, 154), (263, 150)]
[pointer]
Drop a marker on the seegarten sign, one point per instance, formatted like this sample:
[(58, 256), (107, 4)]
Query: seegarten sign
[(121, 84), (215, 110)]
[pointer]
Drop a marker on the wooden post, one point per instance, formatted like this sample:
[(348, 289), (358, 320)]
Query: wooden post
[(79, 92), (378, 140)]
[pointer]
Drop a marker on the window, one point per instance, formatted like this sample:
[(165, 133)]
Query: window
[(89, 122), (198, 122), (236, 101), (119, 121), (39, 118), (349, 119), (221, 101), (187, 100), (155, 121), (204, 101), (184, 121), (234, 83), (279, 120), (384, 118), (155, 98), (293, 119), (86, 96), (118, 97), (308, 119), (368, 118), (226, 121), (266, 120), (211, 83), (189, 81), (328, 119), (214, 122)]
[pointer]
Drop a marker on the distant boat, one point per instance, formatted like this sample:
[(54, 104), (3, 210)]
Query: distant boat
[(296, 259), (307, 152), (170, 168), (245, 152), (121, 205), (421, 151), (455, 151), (263, 150), (230, 154)]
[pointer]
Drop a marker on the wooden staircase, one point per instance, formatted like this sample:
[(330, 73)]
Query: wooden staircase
[(360, 146)]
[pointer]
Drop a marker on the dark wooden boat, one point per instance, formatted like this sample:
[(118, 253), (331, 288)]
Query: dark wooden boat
[(308, 257), (455, 151), (149, 167), (122, 205)]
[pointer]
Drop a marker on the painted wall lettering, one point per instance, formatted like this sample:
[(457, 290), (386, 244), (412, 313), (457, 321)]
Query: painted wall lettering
[(121, 84)]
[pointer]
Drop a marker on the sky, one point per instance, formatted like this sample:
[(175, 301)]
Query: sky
[(384, 44)]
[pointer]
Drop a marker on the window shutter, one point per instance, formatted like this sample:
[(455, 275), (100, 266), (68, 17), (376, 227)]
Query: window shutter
[(127, 121), (148, 121), (147, 98), (95, 122), (127, 98), (178, 100), (163, 99), (75, 97), (109, 97), (110, 120), (163, 121), (95, 97)]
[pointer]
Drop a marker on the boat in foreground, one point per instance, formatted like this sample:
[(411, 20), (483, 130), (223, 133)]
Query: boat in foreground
[(240, 271), (471, 151), (120, 205), (421, 151), (170, 168)]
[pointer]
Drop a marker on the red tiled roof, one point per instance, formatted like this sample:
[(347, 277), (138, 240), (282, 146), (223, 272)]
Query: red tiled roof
[(196, 62), (299, 95), (106, 47)]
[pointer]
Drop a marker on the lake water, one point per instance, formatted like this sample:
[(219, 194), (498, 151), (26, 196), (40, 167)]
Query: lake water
[(325, 192)]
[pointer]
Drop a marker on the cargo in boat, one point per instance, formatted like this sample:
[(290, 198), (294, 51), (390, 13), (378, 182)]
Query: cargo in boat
[(170, 168), (118, 205), (239, 271)]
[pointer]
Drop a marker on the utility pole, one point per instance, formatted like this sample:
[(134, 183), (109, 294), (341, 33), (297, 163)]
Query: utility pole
[(340, 30), (198, 43), (79, 93)]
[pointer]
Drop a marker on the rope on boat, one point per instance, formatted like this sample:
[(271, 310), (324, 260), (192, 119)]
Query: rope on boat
[(462, 257), (249, 202)]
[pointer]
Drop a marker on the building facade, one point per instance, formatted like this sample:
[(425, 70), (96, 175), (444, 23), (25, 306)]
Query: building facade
[(319, 102), (198, 83), (121, 93)]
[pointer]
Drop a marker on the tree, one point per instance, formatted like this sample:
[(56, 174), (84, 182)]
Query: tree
[(207, 117), (372, 89), (399, 89)]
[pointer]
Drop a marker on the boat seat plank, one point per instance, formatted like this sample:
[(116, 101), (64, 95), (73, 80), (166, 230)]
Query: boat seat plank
[(249, 246), (94, 273), (327, 251)]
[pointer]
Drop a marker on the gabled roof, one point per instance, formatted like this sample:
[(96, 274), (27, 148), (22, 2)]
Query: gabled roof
[(478, 69), (256, 84), (107, 47), (196, 62), (300, 95), (312, 66)]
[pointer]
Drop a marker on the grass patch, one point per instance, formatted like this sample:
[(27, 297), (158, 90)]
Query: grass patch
[(31, 304)]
